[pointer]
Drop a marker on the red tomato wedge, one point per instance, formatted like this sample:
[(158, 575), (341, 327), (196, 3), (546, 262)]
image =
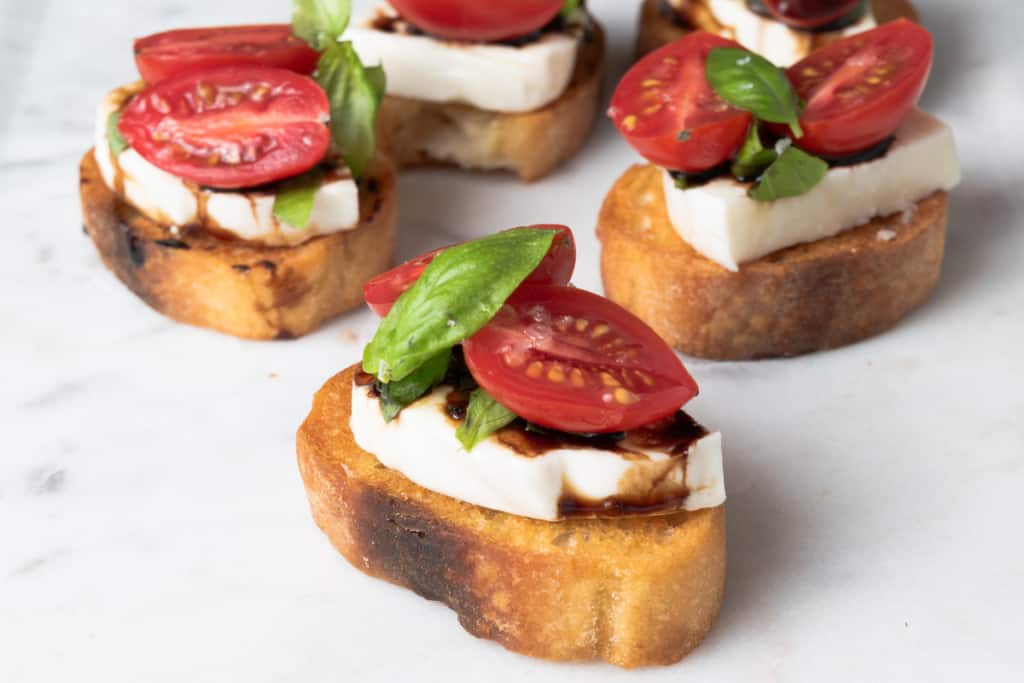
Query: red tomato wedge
[(666, 109), (858, 90), (167, 54), (810, 13), (556, 267), (231, 127), (571, 360), (478, 20)]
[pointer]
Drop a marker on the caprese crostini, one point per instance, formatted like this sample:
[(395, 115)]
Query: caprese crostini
[(237, 186), (783, 31), (783, 211), (485, 85), (515, 448)]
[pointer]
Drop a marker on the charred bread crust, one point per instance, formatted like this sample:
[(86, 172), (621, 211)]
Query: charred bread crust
[(530, 143), (631, 591), (658, 28), (247, 290), (806, 298)]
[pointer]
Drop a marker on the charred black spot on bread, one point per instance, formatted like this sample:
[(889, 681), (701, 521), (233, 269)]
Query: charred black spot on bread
[(285, 335), (172, 243), (240, 268), (85, 229), (133, 247), (269, 265)]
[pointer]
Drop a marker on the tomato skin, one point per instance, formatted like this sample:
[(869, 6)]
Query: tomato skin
[(557, 266), (666, 93), (231, 127), (568, 359), (809, 14), (839, 118), (167, 54), (478, 20)]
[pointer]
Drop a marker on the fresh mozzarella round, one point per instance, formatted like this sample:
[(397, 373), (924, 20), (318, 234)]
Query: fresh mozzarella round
[(488, 76), (247, 214), (421, 444), (772, 39), (721, 222)]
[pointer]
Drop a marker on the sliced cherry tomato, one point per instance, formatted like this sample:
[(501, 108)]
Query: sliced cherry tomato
[(810, 13), (571, 360), (235, 126), (859, 89), (556, 268), (667, 111), (167, 54), (478, 20)]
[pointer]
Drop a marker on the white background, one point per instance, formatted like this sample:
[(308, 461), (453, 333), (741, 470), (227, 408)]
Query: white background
[(153, 526)]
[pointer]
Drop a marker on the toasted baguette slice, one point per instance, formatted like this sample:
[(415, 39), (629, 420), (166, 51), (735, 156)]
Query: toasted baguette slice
[(659, 25), (806, 298), (631, 591), (420, 133), (232, 286)]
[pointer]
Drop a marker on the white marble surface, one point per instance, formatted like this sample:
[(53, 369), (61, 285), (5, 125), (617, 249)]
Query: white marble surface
[(153, 526)]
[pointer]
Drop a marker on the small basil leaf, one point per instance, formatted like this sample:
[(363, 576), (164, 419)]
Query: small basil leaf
[(749, 81), (397, 395), (484, 416), (320, 22), (457, 294), (293, 203), (753, 158), (114, 137), (793, 173), (680, 182), (354, 93), (569, 7)]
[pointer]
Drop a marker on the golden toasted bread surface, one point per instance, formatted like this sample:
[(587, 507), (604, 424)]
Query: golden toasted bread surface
[(659, 27), (806, 298), (244, 289), (531, 144), (632, 591)]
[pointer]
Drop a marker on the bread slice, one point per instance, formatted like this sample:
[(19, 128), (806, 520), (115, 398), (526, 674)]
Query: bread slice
[(631, 591), (659, 26), (233, 286), (805, 298), (419, 133)]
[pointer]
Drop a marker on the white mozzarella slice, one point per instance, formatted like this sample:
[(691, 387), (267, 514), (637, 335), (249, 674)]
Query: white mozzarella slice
[(169, 200), (492, 77), (721, 222), (421, 444)]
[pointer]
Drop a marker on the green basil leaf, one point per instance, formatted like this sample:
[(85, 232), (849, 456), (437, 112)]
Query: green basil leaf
[(749, 81), (293, 203), (114, 137), (320, 22), (484, 416), (354, 93), (458, 293), (397, 395), (793, 173), (753, 158), (569, 7)]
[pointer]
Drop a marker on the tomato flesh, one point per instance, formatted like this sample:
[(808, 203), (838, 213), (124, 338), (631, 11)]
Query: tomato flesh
[(666, 109), (859, 90), (231, 127), (167, 54), (556, 267), (809, 14), (478, 20), (571, 360)]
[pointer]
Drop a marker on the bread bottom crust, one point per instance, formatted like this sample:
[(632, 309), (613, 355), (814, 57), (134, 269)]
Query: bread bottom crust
[(657, 29), (531, 144), (631, 591), (236, 287), (809, 297)]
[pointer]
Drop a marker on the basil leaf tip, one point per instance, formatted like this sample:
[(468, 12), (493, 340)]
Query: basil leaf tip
[(293, 202), (397, 395), (484, 416), (793, 173), (750, 82), (117, 142), (320, 22), (457, 294), (753, 158)]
